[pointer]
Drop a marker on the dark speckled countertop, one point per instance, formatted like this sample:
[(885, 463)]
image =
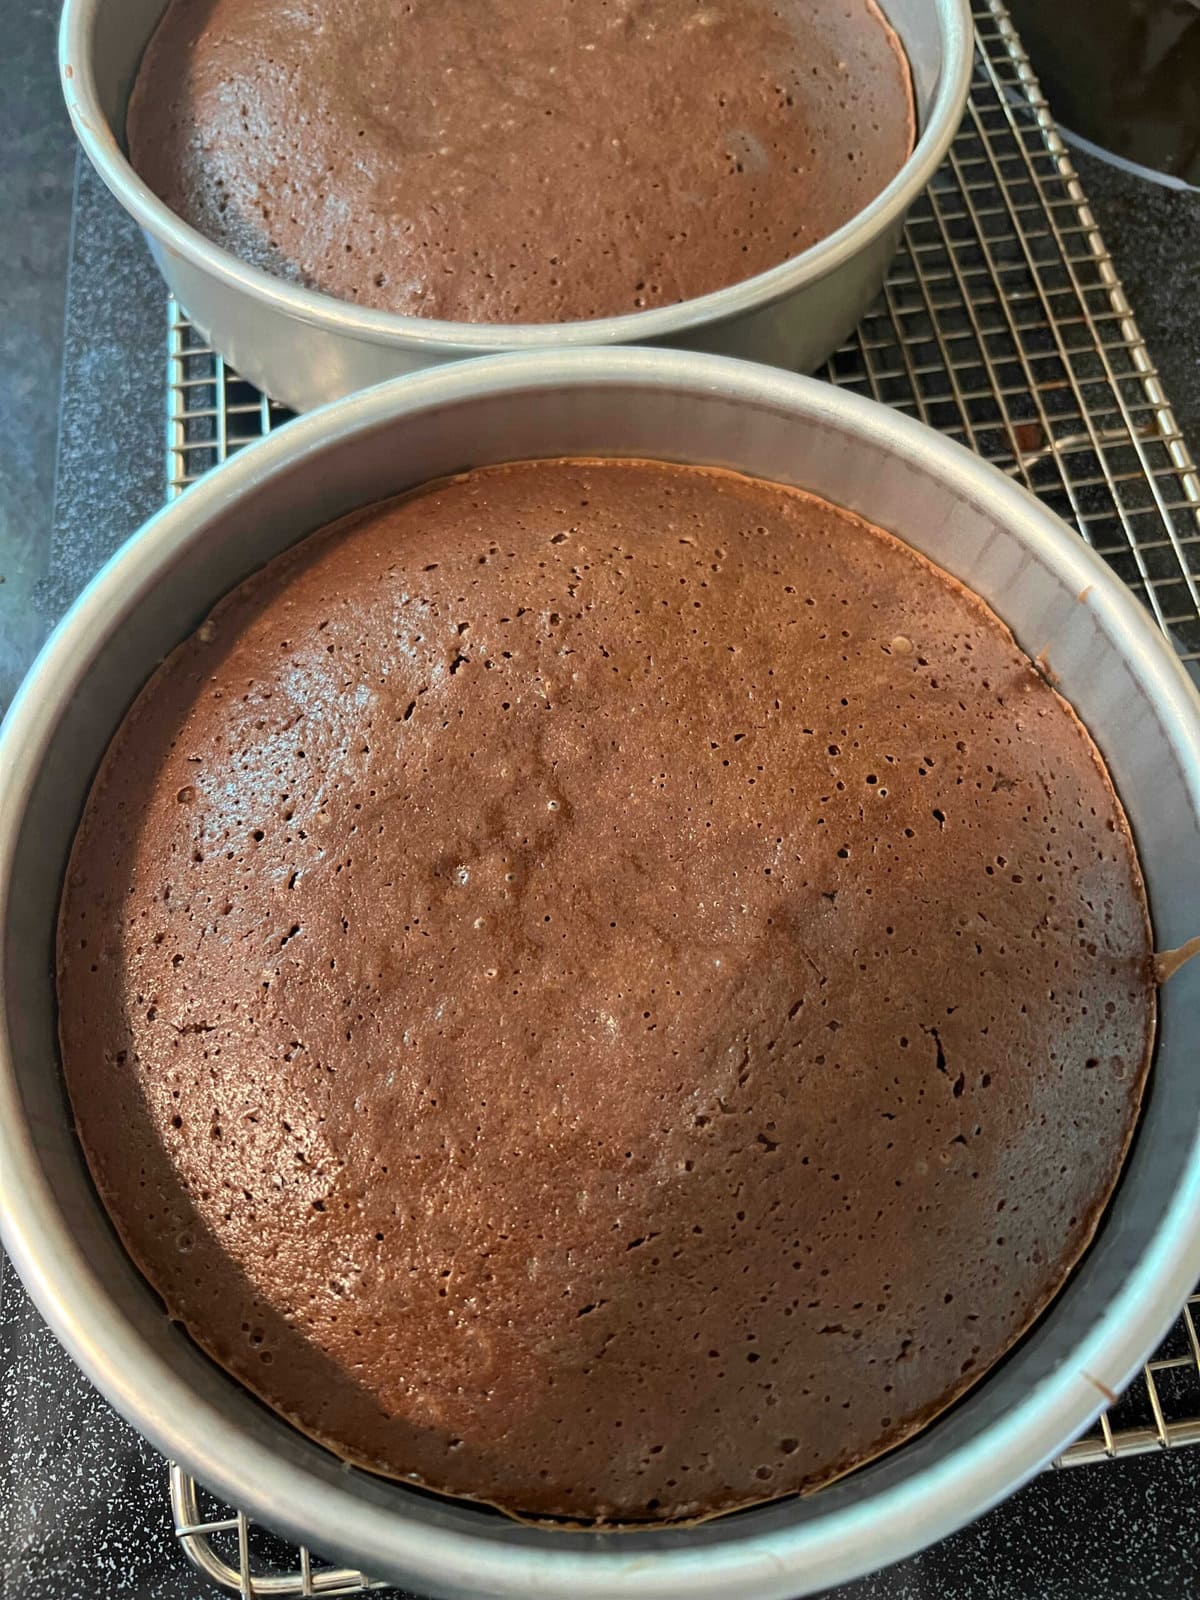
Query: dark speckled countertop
[(83, 1509)]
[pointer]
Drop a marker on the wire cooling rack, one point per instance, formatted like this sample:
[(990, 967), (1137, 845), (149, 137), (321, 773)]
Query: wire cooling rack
[(1003, 323)]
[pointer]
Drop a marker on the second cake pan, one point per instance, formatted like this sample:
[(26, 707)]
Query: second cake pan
[(303, 348)]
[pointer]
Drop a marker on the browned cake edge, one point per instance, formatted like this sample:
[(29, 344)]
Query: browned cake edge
[(896, 46)]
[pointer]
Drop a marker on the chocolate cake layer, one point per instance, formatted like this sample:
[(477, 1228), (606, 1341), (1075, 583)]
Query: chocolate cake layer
[(520, 160), (614, 989)]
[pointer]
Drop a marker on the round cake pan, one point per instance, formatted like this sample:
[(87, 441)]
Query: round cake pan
[(1064, 606), (304, 348)]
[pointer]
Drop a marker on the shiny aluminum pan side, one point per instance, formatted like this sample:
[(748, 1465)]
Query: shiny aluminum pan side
[(304, 348), (1061, 601)]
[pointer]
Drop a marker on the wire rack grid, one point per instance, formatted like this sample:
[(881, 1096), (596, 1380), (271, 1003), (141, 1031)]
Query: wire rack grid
[(1003, 323)]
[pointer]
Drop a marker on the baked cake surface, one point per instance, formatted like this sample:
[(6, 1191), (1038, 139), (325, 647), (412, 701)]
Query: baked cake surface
[(519, 160), (609, 988)]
